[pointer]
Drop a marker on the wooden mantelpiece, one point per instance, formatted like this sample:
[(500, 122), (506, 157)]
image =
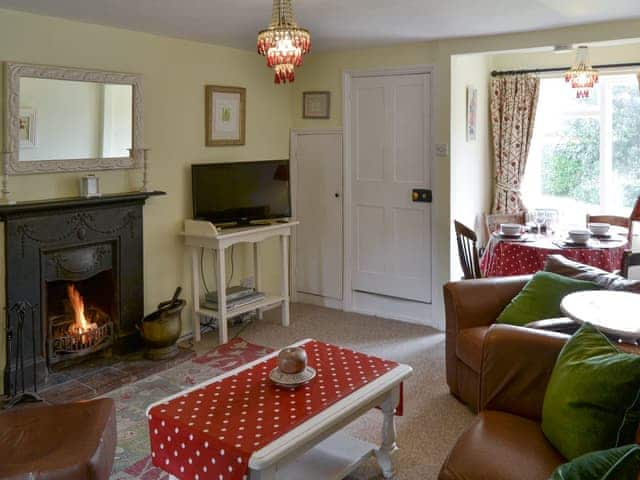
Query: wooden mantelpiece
[(74, 202)]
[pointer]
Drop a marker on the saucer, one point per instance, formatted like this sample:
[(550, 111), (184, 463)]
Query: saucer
[(288, 380), (572, 243)]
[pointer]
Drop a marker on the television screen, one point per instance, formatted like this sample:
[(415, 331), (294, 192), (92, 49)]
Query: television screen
[(241, 192)]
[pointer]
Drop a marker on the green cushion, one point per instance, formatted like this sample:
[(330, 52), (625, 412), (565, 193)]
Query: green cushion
[(540, 298), (622, 463), (592, 400)]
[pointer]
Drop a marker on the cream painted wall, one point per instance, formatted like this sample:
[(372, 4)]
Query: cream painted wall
[(470, 159), (323, 71), (175, 73)]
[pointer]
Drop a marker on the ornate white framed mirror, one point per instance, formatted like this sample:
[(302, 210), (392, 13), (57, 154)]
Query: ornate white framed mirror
[(60, 119)]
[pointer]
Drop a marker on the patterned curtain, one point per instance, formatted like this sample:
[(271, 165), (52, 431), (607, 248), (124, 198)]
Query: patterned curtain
[(514, 99)]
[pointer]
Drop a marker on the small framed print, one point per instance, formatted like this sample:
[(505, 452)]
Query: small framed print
[(316, 104), (27, 129), (224, 115)]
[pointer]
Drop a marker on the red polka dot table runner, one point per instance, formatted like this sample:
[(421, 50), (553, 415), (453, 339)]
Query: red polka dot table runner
[(210, 432)]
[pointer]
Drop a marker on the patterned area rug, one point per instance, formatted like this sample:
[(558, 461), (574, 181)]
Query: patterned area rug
[(133, 460)]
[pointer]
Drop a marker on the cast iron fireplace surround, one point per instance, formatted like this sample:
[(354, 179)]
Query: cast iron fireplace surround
[(73, 239)]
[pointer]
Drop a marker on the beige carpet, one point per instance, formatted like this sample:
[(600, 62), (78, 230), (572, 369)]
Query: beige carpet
[(433, 419)]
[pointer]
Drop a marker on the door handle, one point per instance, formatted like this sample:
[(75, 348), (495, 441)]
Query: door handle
[(421, 195)]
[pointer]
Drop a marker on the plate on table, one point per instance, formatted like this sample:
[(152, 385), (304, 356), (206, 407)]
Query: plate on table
[(571, 244), (508, 237), (288, 380)]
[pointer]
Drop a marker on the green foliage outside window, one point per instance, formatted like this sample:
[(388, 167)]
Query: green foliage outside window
[(571, 166)]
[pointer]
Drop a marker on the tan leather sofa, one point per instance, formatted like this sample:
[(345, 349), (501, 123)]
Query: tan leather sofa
[(472, 306), (505, 441)]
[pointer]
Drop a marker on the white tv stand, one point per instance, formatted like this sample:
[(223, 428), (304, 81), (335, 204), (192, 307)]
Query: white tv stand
[(201, 234)]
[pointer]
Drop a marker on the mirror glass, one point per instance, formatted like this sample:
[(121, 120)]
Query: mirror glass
[(68, 120)]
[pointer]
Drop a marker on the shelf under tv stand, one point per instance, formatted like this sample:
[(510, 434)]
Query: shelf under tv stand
[(200, 235)]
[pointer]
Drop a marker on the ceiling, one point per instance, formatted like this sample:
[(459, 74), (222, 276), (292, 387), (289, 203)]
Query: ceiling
[(334, 24)]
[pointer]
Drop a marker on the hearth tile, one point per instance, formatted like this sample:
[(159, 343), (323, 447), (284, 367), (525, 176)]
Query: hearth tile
[(71, 391), (141, 367), (106, 379)]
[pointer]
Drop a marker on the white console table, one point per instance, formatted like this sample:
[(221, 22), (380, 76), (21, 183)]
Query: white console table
[(200, 234)]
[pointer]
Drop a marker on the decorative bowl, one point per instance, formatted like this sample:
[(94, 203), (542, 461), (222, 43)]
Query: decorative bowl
[(579, 236), (510, 229), (292, 360), (599, 228)]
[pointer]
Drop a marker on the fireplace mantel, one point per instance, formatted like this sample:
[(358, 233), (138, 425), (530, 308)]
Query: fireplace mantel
[(73, 202)]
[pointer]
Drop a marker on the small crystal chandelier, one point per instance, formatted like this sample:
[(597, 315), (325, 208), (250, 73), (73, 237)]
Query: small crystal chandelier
[(582, 76), (283, 42)]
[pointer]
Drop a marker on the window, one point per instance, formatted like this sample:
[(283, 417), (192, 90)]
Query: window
[(585, 154)]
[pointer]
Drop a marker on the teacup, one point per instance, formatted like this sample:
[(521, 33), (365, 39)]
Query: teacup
[(510, 229), (599, 228), (579, 236)]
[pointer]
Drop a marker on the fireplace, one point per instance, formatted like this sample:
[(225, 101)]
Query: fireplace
[(80, 302), (68, 258)]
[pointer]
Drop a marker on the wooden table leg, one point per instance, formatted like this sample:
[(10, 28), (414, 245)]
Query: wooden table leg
[(388, 445), (256, 273), (221, 285), (284, 290), (195, 294)]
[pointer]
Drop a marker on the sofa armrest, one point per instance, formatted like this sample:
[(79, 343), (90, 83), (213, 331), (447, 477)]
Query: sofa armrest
[(477, 303), (516, 366)]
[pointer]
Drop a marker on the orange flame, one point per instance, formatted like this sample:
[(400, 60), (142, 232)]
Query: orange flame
[(80, 324)]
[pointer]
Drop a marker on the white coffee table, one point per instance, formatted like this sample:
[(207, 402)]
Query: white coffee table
[(318, 448)]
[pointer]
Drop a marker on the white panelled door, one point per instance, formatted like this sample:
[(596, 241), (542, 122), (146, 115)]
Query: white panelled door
[(318, 200), (391, 156)]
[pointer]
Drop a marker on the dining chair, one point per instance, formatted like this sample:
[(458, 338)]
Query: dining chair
[(467, 251), (630, 259), (492, 221), (614, 220)]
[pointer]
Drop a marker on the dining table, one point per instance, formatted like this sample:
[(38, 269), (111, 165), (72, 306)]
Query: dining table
[(527, 254)]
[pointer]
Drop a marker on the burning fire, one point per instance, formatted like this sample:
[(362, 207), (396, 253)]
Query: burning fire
[(81, 324)]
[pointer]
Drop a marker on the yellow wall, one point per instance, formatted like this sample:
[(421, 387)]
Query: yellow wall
[(175, 73), (323, 71), (471, 163)]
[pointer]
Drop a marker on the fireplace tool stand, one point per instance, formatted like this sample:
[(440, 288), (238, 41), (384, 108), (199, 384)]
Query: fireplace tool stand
[(18, 312)]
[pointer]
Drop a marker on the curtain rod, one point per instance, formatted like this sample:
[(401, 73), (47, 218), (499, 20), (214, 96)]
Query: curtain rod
[(496, 73)]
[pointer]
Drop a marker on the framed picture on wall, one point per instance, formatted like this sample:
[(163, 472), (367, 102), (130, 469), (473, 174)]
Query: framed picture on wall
[(28, 128), (472, 113), (224, 115), (316, 104)]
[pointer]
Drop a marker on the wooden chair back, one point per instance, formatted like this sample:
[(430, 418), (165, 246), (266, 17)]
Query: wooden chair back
[(467, 251), (630, 259), (492, 221)]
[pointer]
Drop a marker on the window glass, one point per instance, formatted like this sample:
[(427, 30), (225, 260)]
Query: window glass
[(585, 153)]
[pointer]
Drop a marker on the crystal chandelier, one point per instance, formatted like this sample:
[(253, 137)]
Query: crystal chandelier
[(283, 42), (582, 76)]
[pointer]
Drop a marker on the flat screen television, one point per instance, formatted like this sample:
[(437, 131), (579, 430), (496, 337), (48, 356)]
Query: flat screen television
[(241, 192)]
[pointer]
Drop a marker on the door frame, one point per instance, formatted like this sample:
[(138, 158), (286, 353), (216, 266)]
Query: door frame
[(293, 169), (347, 294)]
